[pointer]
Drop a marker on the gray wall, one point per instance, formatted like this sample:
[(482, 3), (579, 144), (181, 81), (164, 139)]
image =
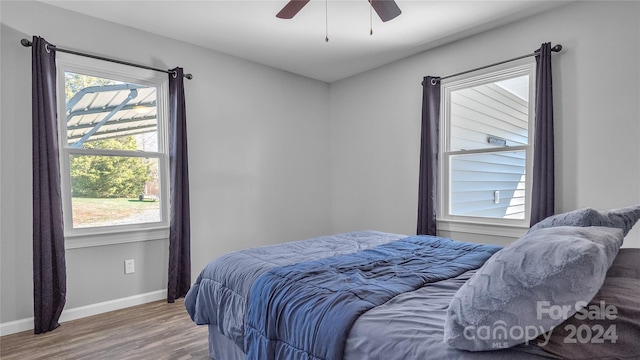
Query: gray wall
[(338, 157), (375, 117), (259, 170)]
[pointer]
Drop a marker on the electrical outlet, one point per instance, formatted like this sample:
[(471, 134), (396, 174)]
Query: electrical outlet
[(129, 266)]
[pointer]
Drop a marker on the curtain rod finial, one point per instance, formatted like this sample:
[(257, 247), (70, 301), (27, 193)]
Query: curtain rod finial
[(25, 42), (557, 48), (188, 76)]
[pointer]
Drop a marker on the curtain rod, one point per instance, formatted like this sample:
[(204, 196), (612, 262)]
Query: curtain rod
[(27, 43), (556, 48)]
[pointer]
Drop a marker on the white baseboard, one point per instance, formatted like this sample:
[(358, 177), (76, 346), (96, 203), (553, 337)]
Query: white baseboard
[(17, 326)]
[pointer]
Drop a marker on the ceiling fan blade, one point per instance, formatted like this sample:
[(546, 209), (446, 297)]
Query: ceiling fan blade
[(386, 9), (291, 9)]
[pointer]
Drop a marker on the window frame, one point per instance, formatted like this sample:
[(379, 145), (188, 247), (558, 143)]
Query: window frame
[(477, 224), (114, 234)]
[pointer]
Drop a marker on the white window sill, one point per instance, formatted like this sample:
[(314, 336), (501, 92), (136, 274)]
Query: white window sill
[(482, 228), (102, 238)]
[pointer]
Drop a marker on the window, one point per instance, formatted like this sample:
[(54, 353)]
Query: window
[(486, 147), (113, 149)]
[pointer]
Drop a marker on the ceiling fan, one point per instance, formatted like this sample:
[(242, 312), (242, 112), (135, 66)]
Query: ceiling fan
[(386, 9)]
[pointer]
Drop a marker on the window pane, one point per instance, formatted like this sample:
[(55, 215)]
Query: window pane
[(475, 179), (114, 190), (490, 115), (100, 110)]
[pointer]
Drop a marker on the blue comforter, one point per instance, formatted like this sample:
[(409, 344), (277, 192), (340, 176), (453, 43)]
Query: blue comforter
[(219, 296), (306, 310)]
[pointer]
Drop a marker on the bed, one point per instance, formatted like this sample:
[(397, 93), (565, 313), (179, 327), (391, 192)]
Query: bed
[(377, 295)]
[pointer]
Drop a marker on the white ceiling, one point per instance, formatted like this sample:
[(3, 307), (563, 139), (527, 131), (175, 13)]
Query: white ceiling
[(250, 29)]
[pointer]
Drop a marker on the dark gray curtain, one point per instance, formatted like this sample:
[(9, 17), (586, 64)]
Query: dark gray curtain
[(428, 176), (49, 273), (179, 233), (543, 191)]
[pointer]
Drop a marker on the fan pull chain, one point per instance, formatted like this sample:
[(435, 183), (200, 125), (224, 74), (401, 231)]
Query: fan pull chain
[(326, 20), (370, 18)]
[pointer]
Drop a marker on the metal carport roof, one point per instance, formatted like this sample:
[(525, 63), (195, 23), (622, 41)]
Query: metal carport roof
[(110, 111)]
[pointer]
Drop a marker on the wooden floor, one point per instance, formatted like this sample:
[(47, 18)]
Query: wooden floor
[(152, 331)]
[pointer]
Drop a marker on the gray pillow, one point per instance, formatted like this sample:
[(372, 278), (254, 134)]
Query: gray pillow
[(623, 218), (530, 286)]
